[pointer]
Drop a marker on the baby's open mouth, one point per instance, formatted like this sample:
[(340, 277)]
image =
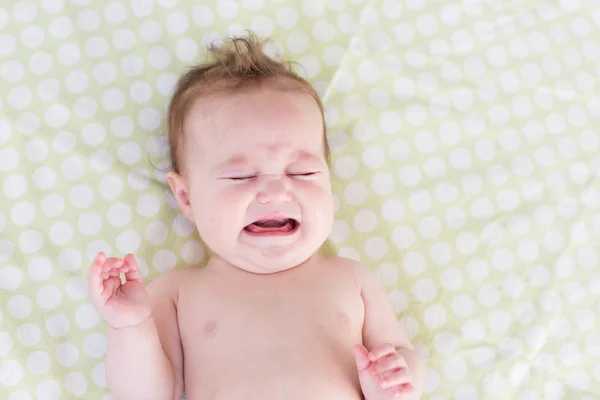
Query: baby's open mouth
[(272, 226)]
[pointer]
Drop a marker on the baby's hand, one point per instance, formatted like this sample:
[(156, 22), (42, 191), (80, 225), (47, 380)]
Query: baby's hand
[(383, 373), (120, 304)]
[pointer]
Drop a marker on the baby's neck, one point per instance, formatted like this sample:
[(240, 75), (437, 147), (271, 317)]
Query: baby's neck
[(218, 263)]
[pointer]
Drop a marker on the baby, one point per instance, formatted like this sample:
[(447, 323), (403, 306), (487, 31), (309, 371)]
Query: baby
[(267, 318)]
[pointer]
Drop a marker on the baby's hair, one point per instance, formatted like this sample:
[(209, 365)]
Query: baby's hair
[(238, 64)]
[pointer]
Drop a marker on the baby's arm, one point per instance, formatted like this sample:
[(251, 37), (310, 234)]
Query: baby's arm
[(145, 361), (381, 327)]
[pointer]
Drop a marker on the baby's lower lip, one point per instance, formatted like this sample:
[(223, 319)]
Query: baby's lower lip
[(267, 233)]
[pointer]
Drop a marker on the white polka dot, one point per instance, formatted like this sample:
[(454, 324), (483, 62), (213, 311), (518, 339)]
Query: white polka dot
[(148, 205), (425, 290), (192, 252), (76, 383), (419, 201), (365, 221), (382, 183), (95, 345), (449, 133), (119, 215), (48, 389), (159, 57), (48, 297), (584, 319), (19, 306), (113, 100), (578, 380), (164, 260), (19, 97), (11, 373), (462, 305), (488, 296), (22, 213), (19, 395), (559, 327), (451, 279), (110, 187), (376, 247), (58, 325), (88, 20), (7, 44), (77, 81), (339, 233), (324, 31), (99, 375), (32, 37), (455, 369), (425, 142), (345, 167), (40, 63), (149, 119), (31, 241), (101, 160), (355, 193), (392, 210), (61, 28), (12, 71), (6, 343), (455, 218), (60, 233), (387, 274), (151, 31), (70, 259), (86, 316), (76, 288), (52, 205), (81, 196), (39, 362), (39, 268), (460, 159), (409, 175), (128, 241), (202, 16), (66, 354), (186, 49), (429, 227), (473, 331), (499, 321), (96, 47), (435, 316), (14, 186)]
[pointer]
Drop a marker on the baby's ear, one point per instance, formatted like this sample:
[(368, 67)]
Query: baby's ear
[(180, 191)]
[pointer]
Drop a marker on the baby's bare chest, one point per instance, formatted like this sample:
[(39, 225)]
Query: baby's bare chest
[(276, 310)]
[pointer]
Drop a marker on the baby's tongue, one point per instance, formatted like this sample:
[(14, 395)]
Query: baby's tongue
[(270, 225)]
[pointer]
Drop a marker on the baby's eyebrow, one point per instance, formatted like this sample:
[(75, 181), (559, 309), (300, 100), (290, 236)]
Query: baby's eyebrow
[(237, 160)]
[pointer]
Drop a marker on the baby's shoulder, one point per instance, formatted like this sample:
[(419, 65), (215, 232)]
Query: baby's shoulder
[(343, 266), (348, 267), (173, 279)]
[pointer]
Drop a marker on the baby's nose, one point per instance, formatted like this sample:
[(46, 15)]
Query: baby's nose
[(275, 190)]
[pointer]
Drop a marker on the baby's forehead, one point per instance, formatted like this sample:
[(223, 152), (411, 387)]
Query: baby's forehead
[(253, 115)]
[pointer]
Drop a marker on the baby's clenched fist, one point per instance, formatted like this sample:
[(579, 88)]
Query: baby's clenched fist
[(120, 304), (383, 373)]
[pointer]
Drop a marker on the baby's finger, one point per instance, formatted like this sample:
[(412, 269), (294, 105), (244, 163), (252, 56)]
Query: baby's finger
[(404, 388), (395, 378), (95, 278), (112, 263), (109, 287), (131, 269), (381, 351), (388, 363)]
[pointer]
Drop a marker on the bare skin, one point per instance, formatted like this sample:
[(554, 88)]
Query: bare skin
[(266, 319), (290, 335)]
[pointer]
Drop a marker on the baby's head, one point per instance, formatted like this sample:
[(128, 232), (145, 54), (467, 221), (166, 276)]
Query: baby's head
[(250, 158)]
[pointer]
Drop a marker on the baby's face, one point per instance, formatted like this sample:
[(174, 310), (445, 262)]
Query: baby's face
[(256, 182)]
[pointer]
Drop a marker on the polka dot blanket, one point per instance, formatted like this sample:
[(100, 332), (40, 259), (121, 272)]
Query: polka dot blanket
[(465, 163)]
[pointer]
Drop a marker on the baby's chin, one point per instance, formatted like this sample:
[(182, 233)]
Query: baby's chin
[(268, 259)]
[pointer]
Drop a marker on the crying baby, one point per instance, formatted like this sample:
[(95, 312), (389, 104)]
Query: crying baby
[(266, 318)]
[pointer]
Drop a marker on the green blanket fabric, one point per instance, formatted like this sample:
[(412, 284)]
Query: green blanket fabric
[(465, 159)]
